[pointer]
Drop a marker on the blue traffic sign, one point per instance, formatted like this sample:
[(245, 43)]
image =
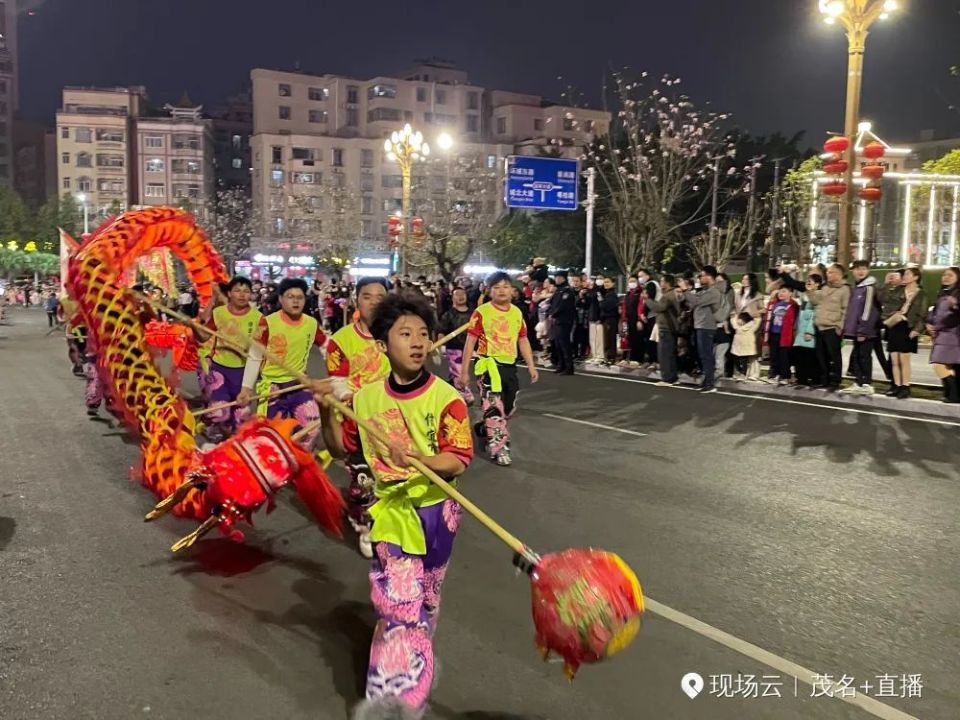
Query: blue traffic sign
[(539, 183)]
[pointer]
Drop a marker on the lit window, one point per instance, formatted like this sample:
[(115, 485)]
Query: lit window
[(276, 177), (569, 124), (66, 183), (381, 91), (318, 94), (153, 141), (155, 165), (237, 142), (491, 161), (237, 163), (155, 190)]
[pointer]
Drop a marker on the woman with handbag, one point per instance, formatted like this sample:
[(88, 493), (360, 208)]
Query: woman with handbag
[(943, 325), (904, 326)]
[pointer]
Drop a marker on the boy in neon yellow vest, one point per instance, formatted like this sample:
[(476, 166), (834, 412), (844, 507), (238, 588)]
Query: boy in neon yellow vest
[(353, 356), (223, 380), (497, 329), (414, 523), (289, 334)]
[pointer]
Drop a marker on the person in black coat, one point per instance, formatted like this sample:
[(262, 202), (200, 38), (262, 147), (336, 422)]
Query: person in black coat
[(563, 312), (609, 319)]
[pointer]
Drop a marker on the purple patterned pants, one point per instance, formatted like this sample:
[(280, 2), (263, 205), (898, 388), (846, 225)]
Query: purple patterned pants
[(298, 405), (223, 384), (93, 392), (405, 590), (454, 365)]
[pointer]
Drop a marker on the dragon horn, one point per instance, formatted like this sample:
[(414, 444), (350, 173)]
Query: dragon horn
[(209, 524), (168, 503)]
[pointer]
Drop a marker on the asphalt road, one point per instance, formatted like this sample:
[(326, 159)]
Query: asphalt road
[(826, 538)]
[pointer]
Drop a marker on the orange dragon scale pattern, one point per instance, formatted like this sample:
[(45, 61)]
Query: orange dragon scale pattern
[(113, 318)]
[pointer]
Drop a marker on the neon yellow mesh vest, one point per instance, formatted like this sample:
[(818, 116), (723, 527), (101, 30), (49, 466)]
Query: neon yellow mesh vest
[(366, 363), (238, 328), (291, 343)]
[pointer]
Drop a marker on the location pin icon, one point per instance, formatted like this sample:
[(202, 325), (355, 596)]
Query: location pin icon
[(692, 684)]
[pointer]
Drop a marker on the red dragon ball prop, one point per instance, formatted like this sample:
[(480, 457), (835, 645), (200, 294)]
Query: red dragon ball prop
[(219, 486)]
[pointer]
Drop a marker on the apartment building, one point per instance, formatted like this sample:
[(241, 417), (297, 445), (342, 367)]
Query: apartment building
[(95, 128), (321, 136), (9, 90), (173, 157), (232, 129), (115, 152)]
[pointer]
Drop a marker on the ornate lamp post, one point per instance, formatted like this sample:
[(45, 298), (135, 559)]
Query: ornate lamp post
[(405, 148), (856, 16)]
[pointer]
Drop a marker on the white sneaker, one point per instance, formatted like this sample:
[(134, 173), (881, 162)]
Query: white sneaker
[(366, 547), (852, 390), (866, 390)]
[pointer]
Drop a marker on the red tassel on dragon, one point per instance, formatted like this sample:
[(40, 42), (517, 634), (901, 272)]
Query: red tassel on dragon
[(229, 482)]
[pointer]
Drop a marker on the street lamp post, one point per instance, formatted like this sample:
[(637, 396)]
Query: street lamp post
[(405, 147), (86, 220), (856, 16)]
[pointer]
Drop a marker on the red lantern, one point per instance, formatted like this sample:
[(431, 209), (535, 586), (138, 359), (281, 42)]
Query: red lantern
[(871, 193), (873, 172), (874, 151), (836, 145), (834, 189), (416, 228), (394, 226), (838, 167)]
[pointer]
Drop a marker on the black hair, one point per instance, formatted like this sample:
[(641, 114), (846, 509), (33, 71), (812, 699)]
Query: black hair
[(669, 279), (745, 317), (239, 280), (753, 289), (817, 278), (364, 281), (861, 264), (773, 274), (499, 277), (917, 272), (710, 270), (841, 268), (394, 307), (292, 284)]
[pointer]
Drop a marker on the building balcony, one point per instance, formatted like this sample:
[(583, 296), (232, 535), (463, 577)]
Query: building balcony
[(111, 170)]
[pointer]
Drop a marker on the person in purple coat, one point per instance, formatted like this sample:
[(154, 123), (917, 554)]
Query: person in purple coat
[(943, 325), (862, 325)]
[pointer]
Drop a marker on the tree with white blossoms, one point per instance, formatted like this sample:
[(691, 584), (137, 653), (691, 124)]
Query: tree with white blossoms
[(459, 201), (655, 169), (231, 221)]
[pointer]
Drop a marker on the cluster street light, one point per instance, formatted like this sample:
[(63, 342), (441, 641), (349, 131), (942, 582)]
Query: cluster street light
[(406, 147), (856, 16)]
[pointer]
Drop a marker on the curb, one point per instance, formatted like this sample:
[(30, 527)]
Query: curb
[(914, 407)]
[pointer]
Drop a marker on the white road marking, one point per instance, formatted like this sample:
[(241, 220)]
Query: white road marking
[(798, 672), (596, 425), (785, 401)]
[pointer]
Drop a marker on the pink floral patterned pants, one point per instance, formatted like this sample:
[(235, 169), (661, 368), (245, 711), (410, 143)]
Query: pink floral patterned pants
[(405, 590)]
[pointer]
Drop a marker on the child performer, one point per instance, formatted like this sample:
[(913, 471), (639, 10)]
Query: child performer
[(288, 334), (496, 329), (353, 356), (414, 523), (456, 317), (238, 320)]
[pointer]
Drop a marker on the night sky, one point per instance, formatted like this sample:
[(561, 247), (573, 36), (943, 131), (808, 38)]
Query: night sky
[(772, 63)]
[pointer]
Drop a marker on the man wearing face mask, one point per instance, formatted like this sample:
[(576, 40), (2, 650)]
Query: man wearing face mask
[(563, 312), (635, 306)]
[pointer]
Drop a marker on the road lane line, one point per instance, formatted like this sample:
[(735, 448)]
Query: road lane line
[(784, 401), (798, 672), (596, 425)]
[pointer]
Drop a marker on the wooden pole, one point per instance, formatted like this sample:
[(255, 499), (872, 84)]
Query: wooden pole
[(262, 396)]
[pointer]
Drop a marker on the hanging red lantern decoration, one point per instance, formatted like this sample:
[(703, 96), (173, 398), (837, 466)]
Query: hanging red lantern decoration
[(834, 189), (394, 226), (837, 167), (416, 227), (873, 172), (837, 144), (871, 193), (874, 151)]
